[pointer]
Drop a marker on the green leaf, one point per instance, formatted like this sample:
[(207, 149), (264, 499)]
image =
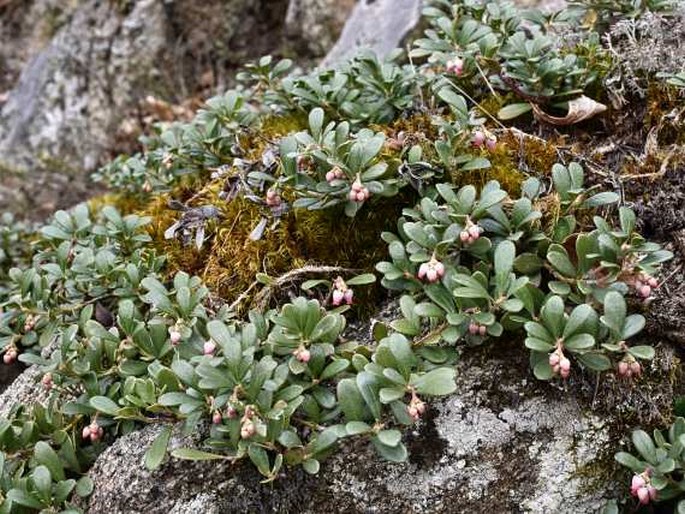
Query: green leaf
[(316, 122), (193, 454), (104, 404), (20, 497), (360, 280), (559, 259), (504, 257), (46, 456), (582, 319), (260, 459), (392, 453), (552, 315), (595, 361), (644, 445), (230, 345), (84, 486), (642, 352), (579, 342), (311, 466), (367, 387), (633, 325), (357, 427), (390, 437), (614, 312), (627, 460), (334, 368), (155, 454), (512, 111), (538, 345), (437, 382), (391, 394), (350, 400)]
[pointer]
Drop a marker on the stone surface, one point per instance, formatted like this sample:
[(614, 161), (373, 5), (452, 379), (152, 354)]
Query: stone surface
[(316, 24), (502, 443), (380, 25)]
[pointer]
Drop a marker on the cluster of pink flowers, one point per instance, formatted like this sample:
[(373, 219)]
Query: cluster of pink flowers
[(477, 329), (93, 431), (431, 271), (455, 66), (471, 233), (359, 193), (247, 426), (335, 174), (273, 199), (480, 139), (342, 293), (302, 354), (416, 407), (642, 488), (644, 285), (29, 323), (629, 367), (560, 363), (47, 381)]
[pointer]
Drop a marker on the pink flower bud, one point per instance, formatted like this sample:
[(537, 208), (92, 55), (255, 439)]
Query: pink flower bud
[(216, 417), (420, 406), (564, 364), (473, 329), (645, 291), (439, 269), (474, 231), (431, 275), (455, 66), (47, 380), (330, 176), (413, 413), (357, 186), (635, 368), (247, 429), (652, 282), (643, 495), (623, 369), (352, 195), (174, 336), (349, 295), (85, 433), (361, 196), (491, 143), (564, 373), (208, 348), (482, 330), (96, 432), (636, 483), (231, 413), (478, 138), (555, 369), (553, 359), (8, 358), (652, 492), (303, 355), (464, 236), (338, 297), (423, 269)]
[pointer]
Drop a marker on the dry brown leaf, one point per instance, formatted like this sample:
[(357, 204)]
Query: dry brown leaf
[(579, 109)]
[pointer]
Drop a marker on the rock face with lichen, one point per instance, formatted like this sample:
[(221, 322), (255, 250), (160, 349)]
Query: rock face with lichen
[(502, 443)]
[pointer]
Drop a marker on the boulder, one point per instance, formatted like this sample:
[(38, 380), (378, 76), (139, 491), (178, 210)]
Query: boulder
[(503, 443)]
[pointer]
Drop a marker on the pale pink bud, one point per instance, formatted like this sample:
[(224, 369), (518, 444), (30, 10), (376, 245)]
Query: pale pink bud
[(482, 330), (439, 269), (85, 433), (491, 143), (47, 380), (564, 373), (643, 495), (330, 176), (555, 368), (357, 186), (623, 370), (423, 269), (464, 236), (413, 413), (420, 406), (652, 282), (303, 355), (635, 368), (352, 195), (431, 275), (645, 291), (348, 295), (473, 329), (216, 417), (208, 348), (652, 492), (636, 483), (478, 138), (564, 364), (174, 336), (455, 66), (231, 412), (247, 429), (338, 297), (8, 358), (553, 359), (361, 196), (474, 231)]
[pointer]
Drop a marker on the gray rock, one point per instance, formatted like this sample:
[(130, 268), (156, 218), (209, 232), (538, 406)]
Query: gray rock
[(379, 25), (502, 443), (316, 24)]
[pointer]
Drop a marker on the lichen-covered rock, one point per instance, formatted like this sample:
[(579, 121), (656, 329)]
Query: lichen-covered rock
[(502, 443), (316, 24), (379, 25)]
